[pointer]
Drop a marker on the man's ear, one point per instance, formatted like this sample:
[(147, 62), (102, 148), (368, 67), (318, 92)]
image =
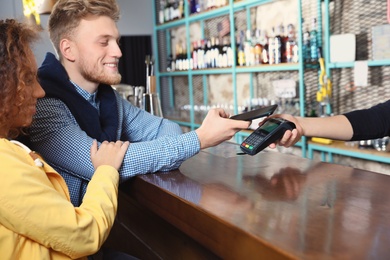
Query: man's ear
[(67, 49)]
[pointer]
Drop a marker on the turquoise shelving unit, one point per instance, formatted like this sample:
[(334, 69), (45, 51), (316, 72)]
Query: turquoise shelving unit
[(229, 10), (327, 152)]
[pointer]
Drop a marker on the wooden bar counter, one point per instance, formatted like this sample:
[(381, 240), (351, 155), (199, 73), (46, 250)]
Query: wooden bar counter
[(220, 205)]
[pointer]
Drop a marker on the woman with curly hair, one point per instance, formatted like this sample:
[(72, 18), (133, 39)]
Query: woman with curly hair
[(37, 219)]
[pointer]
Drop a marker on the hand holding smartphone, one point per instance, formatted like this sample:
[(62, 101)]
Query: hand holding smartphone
[(256, 113)]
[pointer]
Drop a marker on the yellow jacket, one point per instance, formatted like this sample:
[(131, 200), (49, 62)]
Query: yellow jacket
[(37, 219)]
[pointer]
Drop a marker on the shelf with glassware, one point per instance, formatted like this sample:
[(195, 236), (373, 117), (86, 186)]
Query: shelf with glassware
[(372, 150), (188, 73)]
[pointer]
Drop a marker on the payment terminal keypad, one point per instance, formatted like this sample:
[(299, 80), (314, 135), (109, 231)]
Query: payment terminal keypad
[(253, 141)]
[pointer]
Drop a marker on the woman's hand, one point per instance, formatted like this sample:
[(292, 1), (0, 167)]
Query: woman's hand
[(109, 153), (290, 137)]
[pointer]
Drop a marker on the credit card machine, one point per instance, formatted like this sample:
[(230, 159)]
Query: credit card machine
[(269, 132)]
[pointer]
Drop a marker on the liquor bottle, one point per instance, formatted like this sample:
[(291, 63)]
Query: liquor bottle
[(223, 52), (210, 4), (174, 10), (271, 47), (218, 53), (306, 46), (208, 55), (240, 52), (161, 14), (201, 6), (181, 57), (177, 58), (167, 11), (181, 9), (171, 63), (284, 37), (212, 55), (264, 52), (248, 49), (258, 48), (201, 54), (184, 58), (296, 52), (194, 55), (278, 46), (228, 52), (193, 5), (314, 42), (291, 45)]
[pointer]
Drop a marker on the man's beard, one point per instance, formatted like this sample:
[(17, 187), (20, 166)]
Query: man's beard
[(100, 78)]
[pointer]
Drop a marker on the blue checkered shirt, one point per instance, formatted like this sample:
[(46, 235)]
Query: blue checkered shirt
[(156, 144)]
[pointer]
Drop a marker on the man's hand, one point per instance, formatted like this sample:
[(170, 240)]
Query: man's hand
[(217, 128), (109, 153)]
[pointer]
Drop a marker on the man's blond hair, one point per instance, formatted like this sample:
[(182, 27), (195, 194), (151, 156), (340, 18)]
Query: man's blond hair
[(67, 14)]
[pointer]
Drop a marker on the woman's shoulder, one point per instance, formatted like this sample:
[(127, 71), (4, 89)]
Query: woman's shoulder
[(12, 152)]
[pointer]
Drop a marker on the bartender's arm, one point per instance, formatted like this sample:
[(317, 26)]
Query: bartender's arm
[(334, 127)]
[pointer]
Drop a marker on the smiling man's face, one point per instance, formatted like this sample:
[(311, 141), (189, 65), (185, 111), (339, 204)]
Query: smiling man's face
[(97, 51)]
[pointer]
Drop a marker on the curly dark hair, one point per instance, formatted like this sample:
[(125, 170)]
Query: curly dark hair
[(16, 72)]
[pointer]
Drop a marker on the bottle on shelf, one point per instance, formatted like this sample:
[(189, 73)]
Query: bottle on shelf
[(194, 6), (264, 52), (201, 6), (218, 53), (181, 9), (181, 61), (248, 49), (314, 42), (207, 53), (210, 4), (271, 47), (284, 37), (198, 6), (170, 10), (171, 63), (306, 46), (229, 52), (201, 54), (167, 11), (174, 11), (177, 57), (212, 53), (291, 45), (278, 46), (240, 50), (185, 61), (194, 55), (161, 13), (223, 2), (223, 61), (258, 48)]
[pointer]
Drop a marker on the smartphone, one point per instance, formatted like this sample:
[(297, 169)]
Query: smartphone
[(256, 113), (269, 132)]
